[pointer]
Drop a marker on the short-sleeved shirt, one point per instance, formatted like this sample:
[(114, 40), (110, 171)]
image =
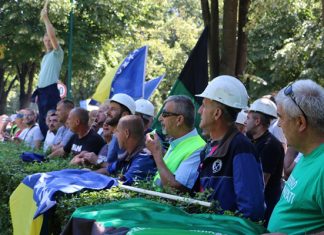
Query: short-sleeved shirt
[(139, 165), (113, 150), (92, 142), (187, 172), (63, 135), (300, 209), (272, 156), (30, 135), (50, 67), (102, 155)]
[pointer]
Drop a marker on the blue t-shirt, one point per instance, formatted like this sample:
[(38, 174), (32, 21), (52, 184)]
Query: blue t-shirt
[(113, 150), (63, 135)]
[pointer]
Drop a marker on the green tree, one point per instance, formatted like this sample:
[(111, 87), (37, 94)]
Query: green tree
[(286, 43)]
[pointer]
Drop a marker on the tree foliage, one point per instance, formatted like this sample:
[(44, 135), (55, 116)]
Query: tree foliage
[(285, 43)]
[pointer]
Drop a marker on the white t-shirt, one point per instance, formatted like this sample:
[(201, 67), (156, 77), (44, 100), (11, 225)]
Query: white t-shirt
[(49, 140), (277, 131), (30, 135)]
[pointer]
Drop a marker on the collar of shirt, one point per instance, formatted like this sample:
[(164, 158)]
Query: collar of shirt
[(175, 142)]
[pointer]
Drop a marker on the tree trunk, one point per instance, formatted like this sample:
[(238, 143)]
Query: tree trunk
[(214, 40), (242, 38), (3, 99), (22, 72), (211, 20), (4, 89), (228, 58)]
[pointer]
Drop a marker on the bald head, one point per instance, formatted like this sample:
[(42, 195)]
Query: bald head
[(134, 124), (81, 114)]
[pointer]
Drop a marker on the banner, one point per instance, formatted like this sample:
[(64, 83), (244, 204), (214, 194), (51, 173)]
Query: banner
[(140, 216)]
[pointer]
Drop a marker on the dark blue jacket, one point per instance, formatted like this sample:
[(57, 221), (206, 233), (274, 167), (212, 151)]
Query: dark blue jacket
[(139, 165), (232, 171)]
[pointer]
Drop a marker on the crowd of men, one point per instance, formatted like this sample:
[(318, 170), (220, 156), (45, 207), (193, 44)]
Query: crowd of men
[(238, 160), (241, 158)]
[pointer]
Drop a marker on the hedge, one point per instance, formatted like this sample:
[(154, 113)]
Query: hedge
[(13, 171)]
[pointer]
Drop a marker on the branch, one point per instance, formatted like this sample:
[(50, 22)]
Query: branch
[(11, 84)]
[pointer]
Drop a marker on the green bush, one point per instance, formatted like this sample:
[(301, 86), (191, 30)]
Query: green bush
[(13, 171)]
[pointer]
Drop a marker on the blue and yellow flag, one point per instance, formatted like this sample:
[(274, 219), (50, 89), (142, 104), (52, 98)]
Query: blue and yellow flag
[(151, 85), (128, 77), (36, 195)]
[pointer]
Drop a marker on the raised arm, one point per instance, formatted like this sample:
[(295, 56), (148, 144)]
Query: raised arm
[(49, 27)]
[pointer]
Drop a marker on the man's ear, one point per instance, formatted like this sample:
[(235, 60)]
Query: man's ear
[(301, 123), (180, 120), (218, 112), (257, 120), (127, 133), (125, 113)]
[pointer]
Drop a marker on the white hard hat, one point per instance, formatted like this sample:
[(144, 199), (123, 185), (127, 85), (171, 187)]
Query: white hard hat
[(145, 107), (125, 100), (241, 117), (227, 90), (265, 106)]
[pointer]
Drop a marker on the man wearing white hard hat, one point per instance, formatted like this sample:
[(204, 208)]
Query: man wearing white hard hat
[(145, 109), (269, 149), (120, 105), (240, 121), (229, 165)]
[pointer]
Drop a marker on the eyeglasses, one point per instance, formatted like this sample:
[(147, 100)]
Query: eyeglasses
[(289, 92), (168, 114)]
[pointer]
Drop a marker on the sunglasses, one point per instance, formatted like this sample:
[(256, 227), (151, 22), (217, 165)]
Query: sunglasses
[(168, 114), (289, 92)]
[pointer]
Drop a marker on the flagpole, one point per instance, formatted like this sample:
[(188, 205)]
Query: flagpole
[(167, 196), (69, 90)]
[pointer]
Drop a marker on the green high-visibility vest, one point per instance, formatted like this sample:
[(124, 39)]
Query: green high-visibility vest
[(181, 152)]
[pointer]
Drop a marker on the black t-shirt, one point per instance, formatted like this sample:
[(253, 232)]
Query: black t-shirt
[(92, 142), (272, 156)]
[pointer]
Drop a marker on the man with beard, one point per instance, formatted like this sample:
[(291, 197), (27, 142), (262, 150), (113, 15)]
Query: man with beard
[(120, 105), (177, 168), (32, 135), (269, 148), (53, 126)]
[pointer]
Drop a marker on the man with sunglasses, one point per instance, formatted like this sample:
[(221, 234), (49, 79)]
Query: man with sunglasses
[(177, 169), (230, 167), (301, 116)]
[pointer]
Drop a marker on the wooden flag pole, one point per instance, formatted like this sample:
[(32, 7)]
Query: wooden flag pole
[(165, 195)]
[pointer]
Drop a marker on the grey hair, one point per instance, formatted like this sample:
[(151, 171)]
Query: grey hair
[(185, 107), (310, 97)]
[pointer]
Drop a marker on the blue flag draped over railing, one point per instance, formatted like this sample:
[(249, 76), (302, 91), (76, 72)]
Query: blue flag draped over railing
[(36, 195), (151, 85), (130, 76)]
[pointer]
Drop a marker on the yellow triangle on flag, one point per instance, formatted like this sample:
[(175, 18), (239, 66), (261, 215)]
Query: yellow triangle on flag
[(103, 89)]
